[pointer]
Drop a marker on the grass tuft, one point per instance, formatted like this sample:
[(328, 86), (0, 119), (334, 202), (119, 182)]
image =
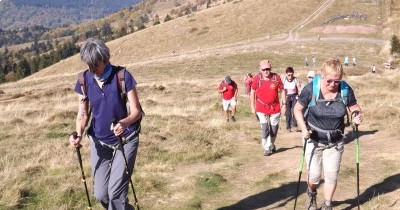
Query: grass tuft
[(209, 180)]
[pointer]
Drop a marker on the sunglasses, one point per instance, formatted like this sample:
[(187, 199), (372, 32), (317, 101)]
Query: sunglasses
[(336, 82), (266, 69)]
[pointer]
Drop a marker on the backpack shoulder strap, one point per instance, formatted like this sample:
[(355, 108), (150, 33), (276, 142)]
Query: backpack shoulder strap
[(259, 79), (316, 82), (344, 92), (121, 79), (82, 82)]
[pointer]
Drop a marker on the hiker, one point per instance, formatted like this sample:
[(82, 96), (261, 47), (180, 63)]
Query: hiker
[(346, 61), (373, 68), (247, 80), (327, 99), (314, 60), (306, 61), (310, 76), (264, 103), (100, 91), (292, 87), (354, 61), (228, 89)]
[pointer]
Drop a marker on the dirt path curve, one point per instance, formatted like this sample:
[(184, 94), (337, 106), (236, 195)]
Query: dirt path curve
[(258, 44)]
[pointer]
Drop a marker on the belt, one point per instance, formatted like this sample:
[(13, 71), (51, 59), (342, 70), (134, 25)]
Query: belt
[(327, 132)]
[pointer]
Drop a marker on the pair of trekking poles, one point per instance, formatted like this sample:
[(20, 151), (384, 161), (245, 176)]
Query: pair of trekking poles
[(75, 134), (355, 131)]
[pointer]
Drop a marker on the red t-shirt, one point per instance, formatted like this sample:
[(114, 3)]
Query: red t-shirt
[(267, 97), (230, 90)]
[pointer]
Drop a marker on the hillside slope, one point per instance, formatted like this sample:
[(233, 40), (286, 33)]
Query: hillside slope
[(189, 157)]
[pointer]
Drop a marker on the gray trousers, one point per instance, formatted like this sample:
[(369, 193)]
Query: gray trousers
[(111, 184)]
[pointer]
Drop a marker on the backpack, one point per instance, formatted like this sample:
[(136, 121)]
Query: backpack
[(344, 92), (121, 87)]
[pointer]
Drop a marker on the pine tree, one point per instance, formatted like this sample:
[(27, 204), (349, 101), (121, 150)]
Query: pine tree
[(395, 45)]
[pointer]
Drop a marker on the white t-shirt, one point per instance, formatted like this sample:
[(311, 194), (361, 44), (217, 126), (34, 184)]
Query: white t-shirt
[(290, 87)]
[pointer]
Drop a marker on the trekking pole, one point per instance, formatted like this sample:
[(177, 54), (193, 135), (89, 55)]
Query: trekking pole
[(121, 142), (78, 152), (355, 131), (300, 172)]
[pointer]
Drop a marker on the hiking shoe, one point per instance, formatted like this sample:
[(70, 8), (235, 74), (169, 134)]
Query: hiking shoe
[(267, 152), (311, 200), (233, 119), (274, 149), (326, 207)]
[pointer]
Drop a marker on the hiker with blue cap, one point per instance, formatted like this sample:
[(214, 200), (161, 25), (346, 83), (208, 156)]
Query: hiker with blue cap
[(228, 90)]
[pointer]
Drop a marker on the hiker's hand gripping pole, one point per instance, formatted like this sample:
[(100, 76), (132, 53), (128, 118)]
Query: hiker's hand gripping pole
[(300, 171), (74, 135), (118, 131), (356, 119)]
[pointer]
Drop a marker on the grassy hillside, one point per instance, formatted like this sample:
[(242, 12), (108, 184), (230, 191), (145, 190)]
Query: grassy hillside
[(189, 157)]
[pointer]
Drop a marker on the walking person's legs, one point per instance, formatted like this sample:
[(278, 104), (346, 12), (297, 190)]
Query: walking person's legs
[(288, 113), (313, 158), (119, 181), (233, 105), (100, 159), (225, 107), (331, 160)]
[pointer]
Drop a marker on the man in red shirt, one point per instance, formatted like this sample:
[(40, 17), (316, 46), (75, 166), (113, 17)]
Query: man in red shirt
[(228, 89), (264, 103)]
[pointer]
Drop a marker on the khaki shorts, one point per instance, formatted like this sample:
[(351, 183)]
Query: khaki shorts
[(330, 157), (226, 104)]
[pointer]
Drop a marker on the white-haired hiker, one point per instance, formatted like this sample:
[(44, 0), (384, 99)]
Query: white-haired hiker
[(101, 91)]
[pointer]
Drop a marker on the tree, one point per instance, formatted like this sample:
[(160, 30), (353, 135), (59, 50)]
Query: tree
[(395, 45), (156, 20), (23, 69), (106, 31), (167, 18)]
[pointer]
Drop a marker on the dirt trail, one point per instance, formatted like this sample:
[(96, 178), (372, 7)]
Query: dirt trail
[(259, 44)]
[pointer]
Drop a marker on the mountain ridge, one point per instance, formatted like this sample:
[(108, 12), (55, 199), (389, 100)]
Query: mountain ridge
[(16, 14)]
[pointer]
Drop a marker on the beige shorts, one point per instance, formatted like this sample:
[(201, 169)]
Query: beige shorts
[(330, 157), (229, 104)]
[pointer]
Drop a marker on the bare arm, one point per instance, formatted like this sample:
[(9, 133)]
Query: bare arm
[(357, 119), (135, 113), (81, 120), (298, 114)]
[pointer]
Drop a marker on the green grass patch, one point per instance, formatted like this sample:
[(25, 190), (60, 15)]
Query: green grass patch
[(271, 178), (209, 180), (56, 135)]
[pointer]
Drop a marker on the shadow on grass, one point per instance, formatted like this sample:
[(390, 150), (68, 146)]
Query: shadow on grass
[(350, 136), (285, 193), (284, 149), (388, 185)]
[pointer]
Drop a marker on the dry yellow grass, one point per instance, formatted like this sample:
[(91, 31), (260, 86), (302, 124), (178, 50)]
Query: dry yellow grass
[(184, 138)]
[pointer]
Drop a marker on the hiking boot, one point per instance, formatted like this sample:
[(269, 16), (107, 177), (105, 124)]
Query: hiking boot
[(233, 119), (326, 207), (267, 152), (311, 200)]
